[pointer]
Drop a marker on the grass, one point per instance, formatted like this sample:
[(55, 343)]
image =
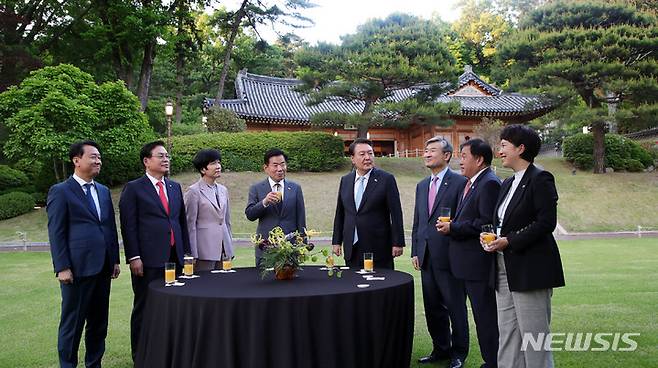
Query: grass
[(611, 287), (588, 202)]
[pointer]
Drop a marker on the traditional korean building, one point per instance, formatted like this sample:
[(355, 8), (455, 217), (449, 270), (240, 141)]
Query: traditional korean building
[(273, 104)]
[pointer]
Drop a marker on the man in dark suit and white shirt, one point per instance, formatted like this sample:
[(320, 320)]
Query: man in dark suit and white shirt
[(368, 212), (276, 201), (429, 252), (468, 261), (85, 252), (153, 227)]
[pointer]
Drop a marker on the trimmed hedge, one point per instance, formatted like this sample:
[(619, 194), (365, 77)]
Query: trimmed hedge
[(11, 178), (621, 153), (307, 151), (15, 204)]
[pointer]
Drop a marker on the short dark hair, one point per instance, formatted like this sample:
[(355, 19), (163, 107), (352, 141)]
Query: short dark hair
[(479, 148), (518, 134), (204, 157), (272, 153), (77, 149), (145, 152), (352, 146)]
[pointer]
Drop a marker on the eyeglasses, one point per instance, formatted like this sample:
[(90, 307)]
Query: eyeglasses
[(161, 156)]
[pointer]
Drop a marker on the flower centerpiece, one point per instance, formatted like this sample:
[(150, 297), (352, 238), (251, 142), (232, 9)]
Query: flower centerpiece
[(285, 253)]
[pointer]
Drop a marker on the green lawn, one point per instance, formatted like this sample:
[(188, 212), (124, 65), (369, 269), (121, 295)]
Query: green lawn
[(611, 287), (588, 202)]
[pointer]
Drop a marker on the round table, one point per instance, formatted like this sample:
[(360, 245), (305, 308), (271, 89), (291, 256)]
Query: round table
[(240, 320)]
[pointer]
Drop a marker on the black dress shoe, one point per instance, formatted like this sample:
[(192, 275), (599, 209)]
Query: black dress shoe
[(456, 363), (433, 357)]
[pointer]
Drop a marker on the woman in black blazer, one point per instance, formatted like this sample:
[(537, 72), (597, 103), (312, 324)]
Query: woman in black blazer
[(528, 261)]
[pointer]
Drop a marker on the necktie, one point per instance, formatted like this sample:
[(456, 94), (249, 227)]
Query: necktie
[(90, 199), (279, 205), (360, 187), (165, 204), (466, 188), (432, 195)]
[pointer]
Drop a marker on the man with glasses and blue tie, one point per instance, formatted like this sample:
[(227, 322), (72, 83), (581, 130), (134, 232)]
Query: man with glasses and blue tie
[(368, 212), (85, 251), (153, 228), (276, 201)]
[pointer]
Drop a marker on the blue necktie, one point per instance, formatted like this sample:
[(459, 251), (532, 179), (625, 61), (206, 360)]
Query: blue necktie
[(90, 199), (357, 201)]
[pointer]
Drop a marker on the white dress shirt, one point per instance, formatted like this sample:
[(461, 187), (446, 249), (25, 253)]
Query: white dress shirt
[(94, 192), (366, 177), (155, 181), (503, 206)]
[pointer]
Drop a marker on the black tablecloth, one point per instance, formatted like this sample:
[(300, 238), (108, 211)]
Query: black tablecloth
[(239, 320)]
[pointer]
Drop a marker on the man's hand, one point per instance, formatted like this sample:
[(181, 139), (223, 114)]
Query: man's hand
[(397, 251), (65, 276), (497, 245), (414, 262), (116, 271), (337, 249), (137, 267), (443, 227), (271, 198)]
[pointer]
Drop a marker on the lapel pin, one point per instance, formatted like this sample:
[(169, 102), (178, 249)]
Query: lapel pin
[(375, 180), (523, 186)]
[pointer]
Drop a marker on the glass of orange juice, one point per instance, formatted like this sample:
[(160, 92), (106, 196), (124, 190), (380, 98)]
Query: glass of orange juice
[(188, 268), (170, 273), (227, 264), (444, 214), (488, 234), (368, 262)]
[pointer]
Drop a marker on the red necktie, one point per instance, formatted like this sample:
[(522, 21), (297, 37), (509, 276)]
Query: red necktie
[(467, 188), (165, 204)]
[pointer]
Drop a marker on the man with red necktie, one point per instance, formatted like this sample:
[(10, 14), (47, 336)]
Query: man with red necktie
[(153, 227)]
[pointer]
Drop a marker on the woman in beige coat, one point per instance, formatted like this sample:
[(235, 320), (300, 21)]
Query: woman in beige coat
[(208, 213)]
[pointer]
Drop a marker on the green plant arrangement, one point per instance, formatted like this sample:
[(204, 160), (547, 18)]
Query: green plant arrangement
[(285, 253)]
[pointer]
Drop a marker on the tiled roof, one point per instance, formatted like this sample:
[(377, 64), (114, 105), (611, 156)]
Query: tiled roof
[(276, 99)]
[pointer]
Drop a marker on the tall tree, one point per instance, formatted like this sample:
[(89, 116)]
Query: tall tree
[(370, 66), (252, 14), (587, 55)]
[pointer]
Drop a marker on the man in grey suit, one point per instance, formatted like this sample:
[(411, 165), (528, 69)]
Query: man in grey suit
[(275, 201), (208, 213)]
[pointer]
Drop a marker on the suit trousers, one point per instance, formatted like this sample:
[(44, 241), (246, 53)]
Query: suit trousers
[(140, 290), (483, 304), (444, 298), (357, 259), (520, 313), (87, 300), (204, 265)]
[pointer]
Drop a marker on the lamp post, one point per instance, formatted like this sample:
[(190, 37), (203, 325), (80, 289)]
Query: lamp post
[(169, 112)]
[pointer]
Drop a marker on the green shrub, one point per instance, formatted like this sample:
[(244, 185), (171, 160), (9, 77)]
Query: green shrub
[(11, 178), (634, 165), (40, 198), (223, 120), (307, 151), (621, 153), (15, 204), (187, 129)]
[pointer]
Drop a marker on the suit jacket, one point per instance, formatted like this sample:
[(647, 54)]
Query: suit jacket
[(426, 241), (468, 261), (378, 220), (209, 226), (78, 239), (532, 259), (289, 215), (146, 226)]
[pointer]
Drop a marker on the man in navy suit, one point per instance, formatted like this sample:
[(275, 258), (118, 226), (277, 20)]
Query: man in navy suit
[(153, 227), (468, 261), (285, 210), (85, 251), (429, 252), (368, 212)]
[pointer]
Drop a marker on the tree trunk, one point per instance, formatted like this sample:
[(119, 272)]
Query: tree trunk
[(364, 124), (180, 64), (235, 28), (55, 170), (598, 132), (145, 74)]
